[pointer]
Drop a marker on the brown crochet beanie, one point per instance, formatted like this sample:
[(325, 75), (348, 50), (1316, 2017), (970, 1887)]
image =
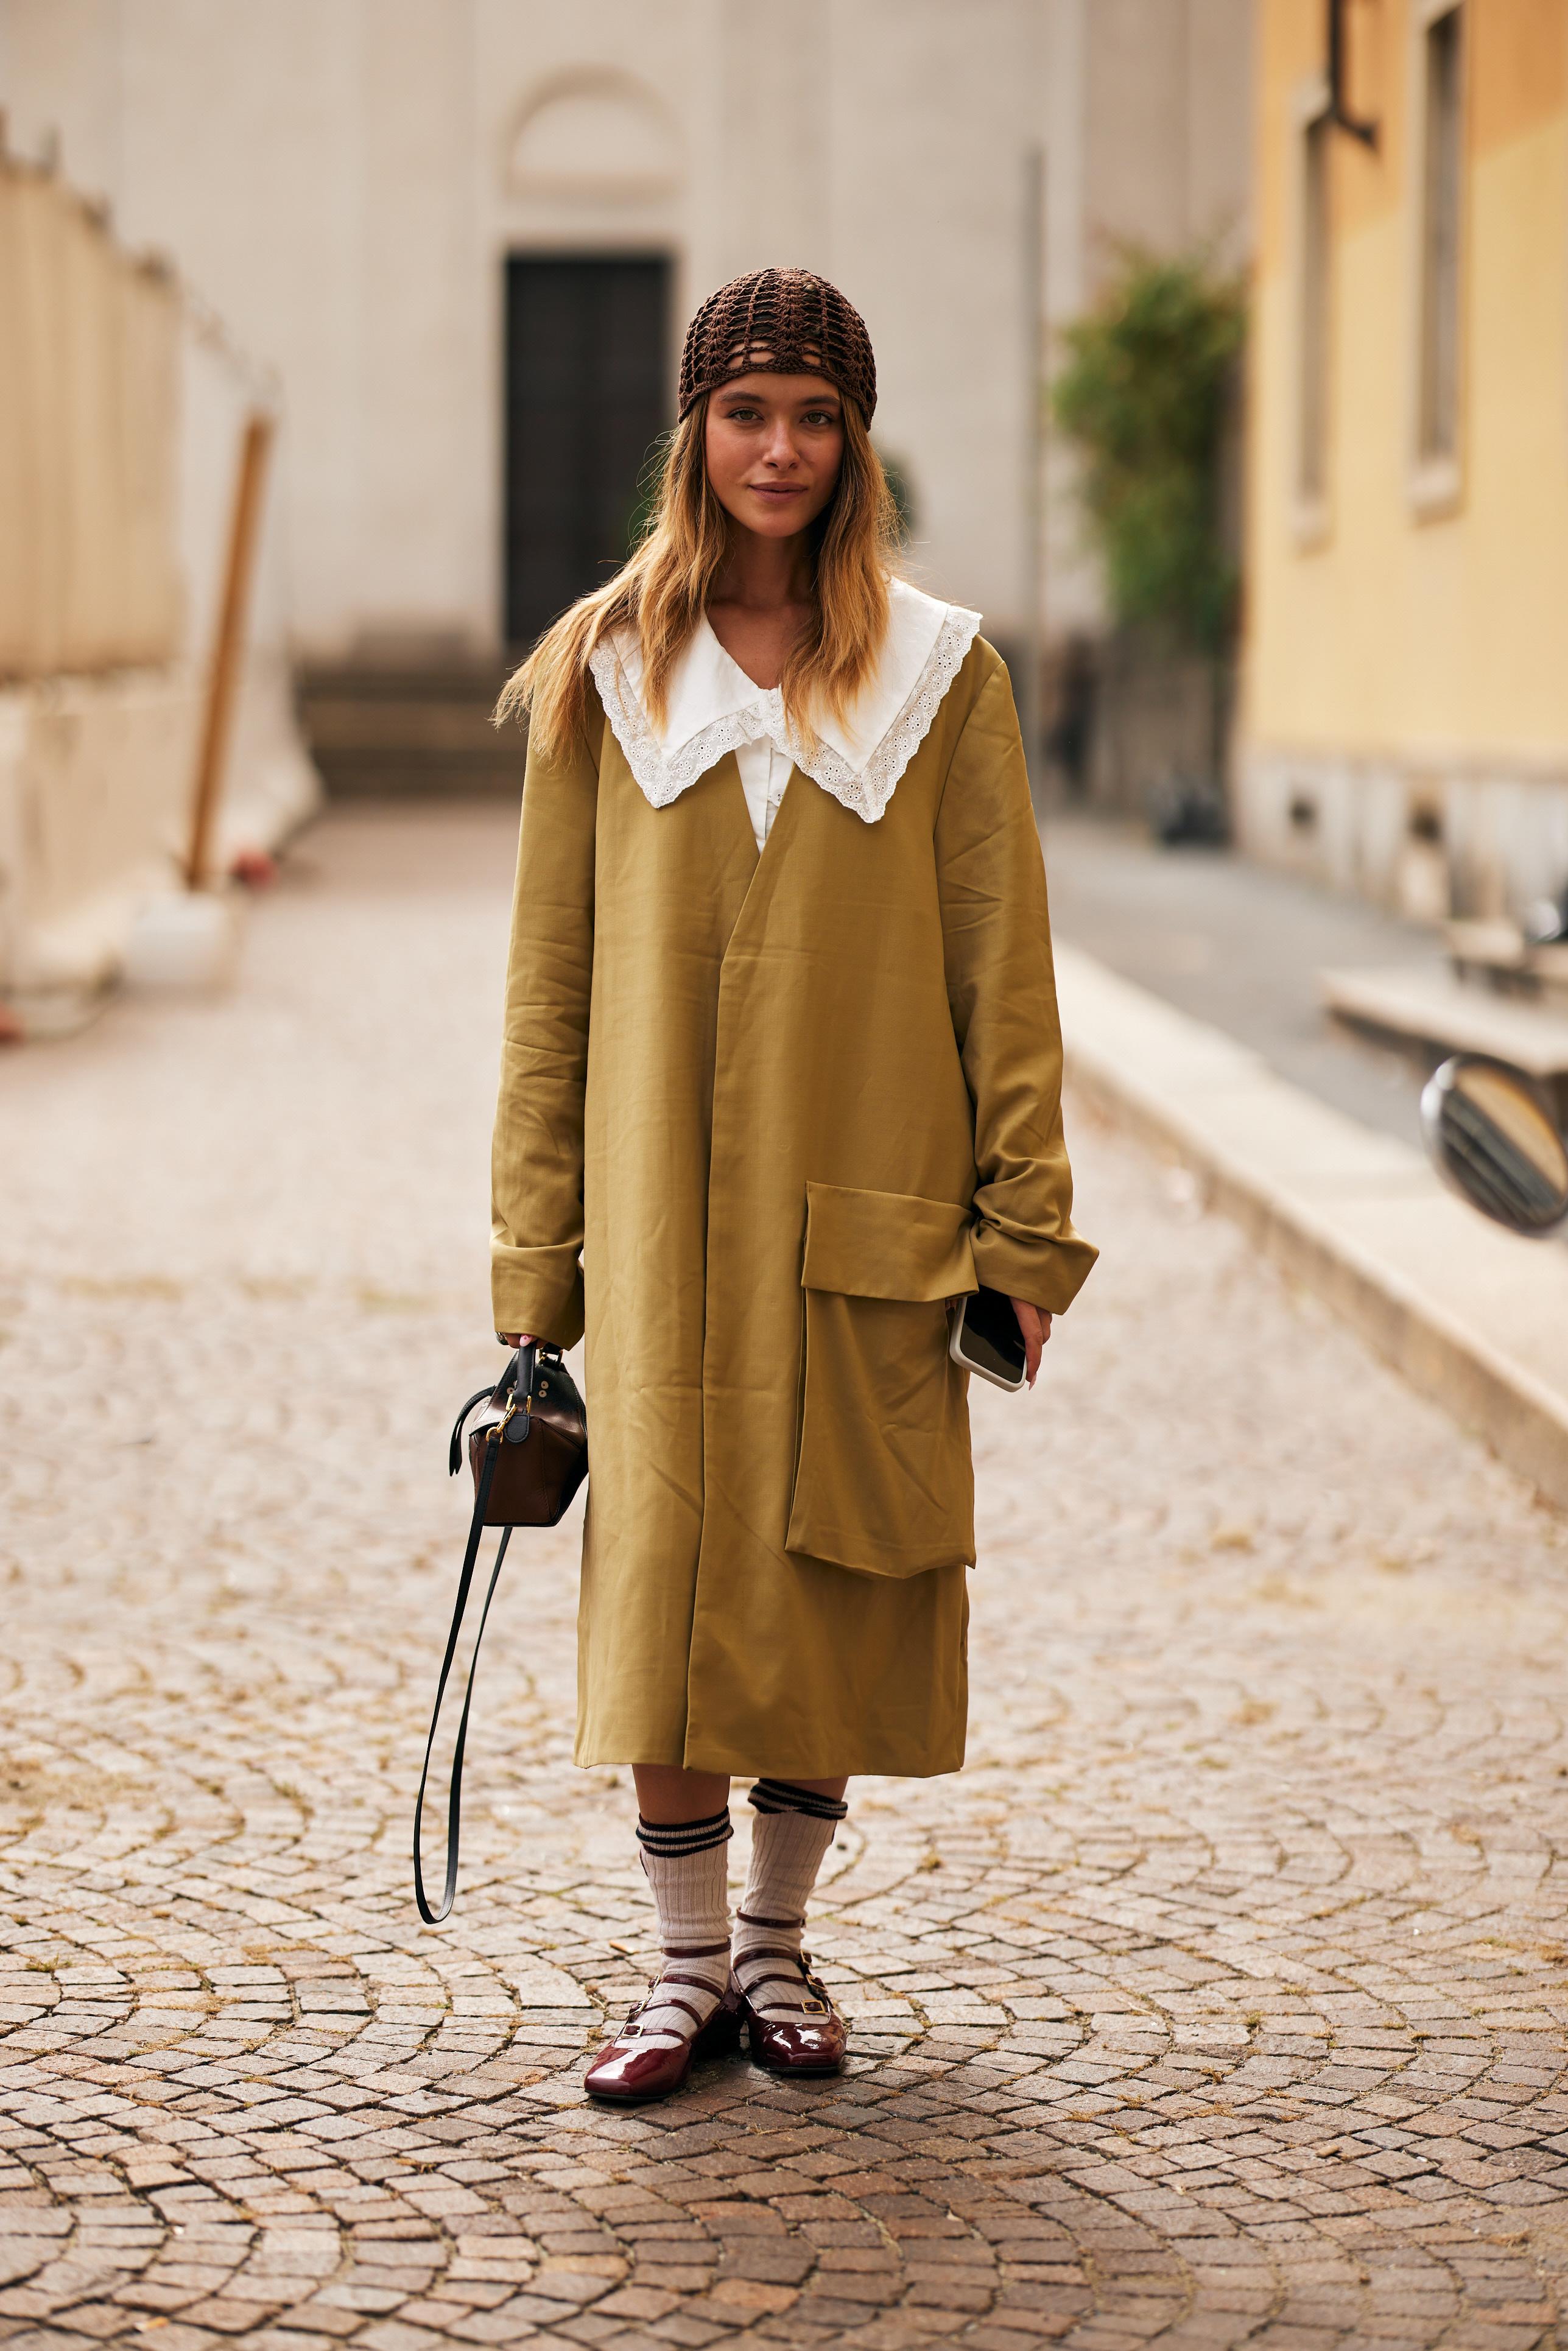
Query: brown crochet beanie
[(778, 323)]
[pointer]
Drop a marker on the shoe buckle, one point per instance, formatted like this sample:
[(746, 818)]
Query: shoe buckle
[(819, 2003)]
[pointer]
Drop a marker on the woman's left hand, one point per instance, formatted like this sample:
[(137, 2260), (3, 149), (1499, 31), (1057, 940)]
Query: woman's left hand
[(1036, 1328)]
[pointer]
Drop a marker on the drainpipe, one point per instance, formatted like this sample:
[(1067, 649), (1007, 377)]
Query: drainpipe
[(1338, 111)]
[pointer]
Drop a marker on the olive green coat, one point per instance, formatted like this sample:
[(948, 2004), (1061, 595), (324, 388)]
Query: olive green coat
[(784, 1105)]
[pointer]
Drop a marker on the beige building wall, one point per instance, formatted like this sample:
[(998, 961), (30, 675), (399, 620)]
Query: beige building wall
[(1405, 718), (344, 179)]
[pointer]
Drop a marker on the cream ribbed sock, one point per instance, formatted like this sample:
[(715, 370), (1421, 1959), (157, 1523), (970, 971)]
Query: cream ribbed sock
[(687, 1867), (792, 1832)]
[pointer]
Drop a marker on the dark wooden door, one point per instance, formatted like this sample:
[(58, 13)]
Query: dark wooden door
[(587, 393)]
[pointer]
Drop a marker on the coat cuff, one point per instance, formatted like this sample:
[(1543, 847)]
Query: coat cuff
[(539, 1290), (1047, 1274)]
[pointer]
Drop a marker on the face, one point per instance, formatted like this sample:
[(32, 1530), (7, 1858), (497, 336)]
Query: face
[(774, 445)]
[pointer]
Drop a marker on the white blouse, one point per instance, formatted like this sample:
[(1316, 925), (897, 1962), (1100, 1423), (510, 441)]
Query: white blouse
[(765, 770), (713, 707)]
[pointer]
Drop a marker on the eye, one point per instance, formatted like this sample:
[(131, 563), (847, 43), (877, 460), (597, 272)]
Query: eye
[(822, 416)]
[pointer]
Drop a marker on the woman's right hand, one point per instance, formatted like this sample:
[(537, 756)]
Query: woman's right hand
[(518, 1338)]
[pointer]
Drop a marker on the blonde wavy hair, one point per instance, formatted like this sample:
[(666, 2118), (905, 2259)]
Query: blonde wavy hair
[(663, 588)]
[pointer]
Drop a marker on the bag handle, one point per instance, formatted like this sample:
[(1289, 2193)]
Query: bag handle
[(454, 1799), (455, 1451)]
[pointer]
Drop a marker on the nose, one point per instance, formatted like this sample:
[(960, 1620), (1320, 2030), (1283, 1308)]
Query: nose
[(778, 448)]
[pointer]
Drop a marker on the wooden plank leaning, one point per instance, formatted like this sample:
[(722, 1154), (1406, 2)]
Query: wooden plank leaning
[(228, 644)]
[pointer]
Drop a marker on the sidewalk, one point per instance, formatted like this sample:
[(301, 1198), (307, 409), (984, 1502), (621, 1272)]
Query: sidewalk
[(1241, 947), (1308, 1140)]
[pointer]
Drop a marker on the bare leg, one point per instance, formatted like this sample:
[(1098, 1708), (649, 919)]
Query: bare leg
[(669, 1795)]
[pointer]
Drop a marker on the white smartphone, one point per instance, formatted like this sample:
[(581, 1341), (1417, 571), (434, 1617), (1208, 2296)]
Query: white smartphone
[(987, 1339)]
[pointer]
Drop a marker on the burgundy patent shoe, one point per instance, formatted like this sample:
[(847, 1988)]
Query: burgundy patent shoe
[(630, 2073), (812, 2037)]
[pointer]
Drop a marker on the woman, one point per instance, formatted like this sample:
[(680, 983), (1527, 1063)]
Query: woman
[(782, 1070)]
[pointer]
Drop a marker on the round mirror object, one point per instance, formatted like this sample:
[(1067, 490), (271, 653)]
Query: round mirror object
[(1492, 1138)]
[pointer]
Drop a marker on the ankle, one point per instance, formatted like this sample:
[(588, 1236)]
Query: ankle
[(708, 1963), (757, 1929), (687, 1876)]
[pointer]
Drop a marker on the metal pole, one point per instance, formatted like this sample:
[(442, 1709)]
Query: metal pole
[(1031, 711), (228, 646)]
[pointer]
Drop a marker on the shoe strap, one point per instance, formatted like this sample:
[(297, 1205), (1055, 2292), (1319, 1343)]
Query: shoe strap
[(754, 1918), (630, 2029), (796, 1961), (795, 1982), (800, 1967)]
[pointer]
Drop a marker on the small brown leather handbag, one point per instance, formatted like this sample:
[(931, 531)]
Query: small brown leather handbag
[(529, 1453)]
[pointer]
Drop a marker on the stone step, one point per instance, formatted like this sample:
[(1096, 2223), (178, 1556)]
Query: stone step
[(1447, 1016), (382, 731)]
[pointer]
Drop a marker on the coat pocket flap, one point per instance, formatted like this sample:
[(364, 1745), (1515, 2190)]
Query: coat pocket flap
[(885, 1244)]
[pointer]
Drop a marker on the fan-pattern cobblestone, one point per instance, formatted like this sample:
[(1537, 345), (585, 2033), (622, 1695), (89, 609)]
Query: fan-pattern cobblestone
[(1220, 2000)]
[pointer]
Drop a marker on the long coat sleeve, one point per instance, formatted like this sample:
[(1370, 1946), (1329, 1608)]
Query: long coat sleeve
[(996, 935), (537, 1219)]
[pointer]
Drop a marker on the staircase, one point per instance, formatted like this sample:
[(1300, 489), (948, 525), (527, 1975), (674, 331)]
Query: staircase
[(410, 731)]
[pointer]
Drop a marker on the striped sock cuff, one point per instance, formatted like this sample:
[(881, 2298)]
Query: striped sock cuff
[(783, 1796), (672, 1840)]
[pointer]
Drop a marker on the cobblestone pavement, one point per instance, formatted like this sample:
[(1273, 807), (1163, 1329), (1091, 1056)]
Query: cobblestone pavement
[(1220, 1999)]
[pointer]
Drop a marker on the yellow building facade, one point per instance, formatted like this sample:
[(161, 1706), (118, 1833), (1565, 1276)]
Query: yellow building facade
[(1404, 726)]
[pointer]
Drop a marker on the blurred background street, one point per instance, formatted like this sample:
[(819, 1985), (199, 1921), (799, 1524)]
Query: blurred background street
[(1223, 352)]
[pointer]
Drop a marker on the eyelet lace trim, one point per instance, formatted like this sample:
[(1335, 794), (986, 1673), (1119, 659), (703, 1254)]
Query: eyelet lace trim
[(866, 794)]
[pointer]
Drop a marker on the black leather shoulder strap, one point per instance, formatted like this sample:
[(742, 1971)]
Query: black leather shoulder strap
[(455, 1800)]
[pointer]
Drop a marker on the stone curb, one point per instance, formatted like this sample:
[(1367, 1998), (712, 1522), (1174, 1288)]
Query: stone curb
[(1470, 1315)]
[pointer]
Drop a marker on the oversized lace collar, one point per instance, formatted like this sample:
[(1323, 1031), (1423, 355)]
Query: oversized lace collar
[(713, 707)]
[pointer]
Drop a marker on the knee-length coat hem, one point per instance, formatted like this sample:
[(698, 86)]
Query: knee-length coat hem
[(761, 1114), (917, 1760)]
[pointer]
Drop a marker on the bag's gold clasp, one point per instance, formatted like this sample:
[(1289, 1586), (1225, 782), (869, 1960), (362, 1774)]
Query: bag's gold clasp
[(515, 1404)]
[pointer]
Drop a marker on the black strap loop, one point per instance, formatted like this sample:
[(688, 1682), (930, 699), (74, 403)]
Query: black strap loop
[(454, 1799), (455, 1451), (515, 1386)]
